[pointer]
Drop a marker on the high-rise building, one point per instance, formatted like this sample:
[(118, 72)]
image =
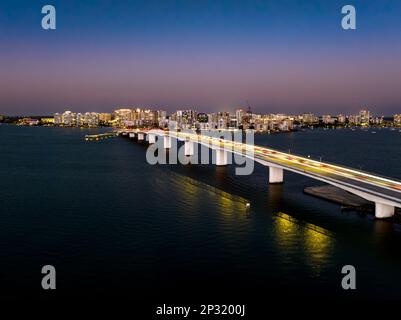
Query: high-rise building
[(364, 116), (80, 119), (161, 114), (123, 114), (354, 119), (72, 119), (104, 117), (184, 118), (91, 119), (162, 118), (239, 114), (341, 118), (58, 119), (138, 117), (309, 118), (47, 121), (377, 120), (223, 120), (397, 119), (328, 119), (69, 118), (247, 119), (202, 118), (148, 118)]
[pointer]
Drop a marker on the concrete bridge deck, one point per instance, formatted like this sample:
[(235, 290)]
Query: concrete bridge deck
[(384, 192)]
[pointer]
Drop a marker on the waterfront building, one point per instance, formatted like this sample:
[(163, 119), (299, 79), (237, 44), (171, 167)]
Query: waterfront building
[(247, 120), (273, 122), (397, 119), (202, 121), (233, 122), (148, 118), (91, 119), (72, 119), (364, 116), (58, 119), (239, 114), (328, 119), (223, 120), (139, 117), (123, 114), (80, 119), (202, 118), (69, 119), (105, 117), (161, 115), (341, 119), (354, 119), (286, 125), (309, 118), (47, 121), (185, 118), (377, 120), (213, 119), (28, 122), (162, 118)]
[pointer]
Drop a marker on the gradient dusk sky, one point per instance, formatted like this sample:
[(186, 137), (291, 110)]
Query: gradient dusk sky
[(282, 56)]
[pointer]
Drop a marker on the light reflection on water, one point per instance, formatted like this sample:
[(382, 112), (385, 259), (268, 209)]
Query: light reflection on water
[(195, 191), (316, 243)]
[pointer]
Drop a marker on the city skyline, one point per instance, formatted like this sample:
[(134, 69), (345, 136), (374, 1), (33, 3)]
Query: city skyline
[(135, 117), (283, 57), (232, 110)]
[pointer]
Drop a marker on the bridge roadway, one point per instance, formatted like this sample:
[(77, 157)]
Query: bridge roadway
[(384, 192)]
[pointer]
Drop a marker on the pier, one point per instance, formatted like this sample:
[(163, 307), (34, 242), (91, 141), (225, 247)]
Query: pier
[(96, 137)]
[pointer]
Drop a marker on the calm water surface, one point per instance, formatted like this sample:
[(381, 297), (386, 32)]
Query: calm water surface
[(110, 223)]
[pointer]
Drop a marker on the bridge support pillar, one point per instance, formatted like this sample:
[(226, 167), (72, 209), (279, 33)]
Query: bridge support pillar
[(167, 142), (131, 135), (383, 210), (189, 148), (151, 138), (275, 175), (221, 157)]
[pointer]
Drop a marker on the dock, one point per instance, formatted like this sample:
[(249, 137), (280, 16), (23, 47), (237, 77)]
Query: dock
[(96, 137)]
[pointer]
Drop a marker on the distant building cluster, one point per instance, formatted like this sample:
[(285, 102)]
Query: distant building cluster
[(138, 117), (123, 117), (245, 119), (363, 118), (189, 118), (87, 119), (240, 119)]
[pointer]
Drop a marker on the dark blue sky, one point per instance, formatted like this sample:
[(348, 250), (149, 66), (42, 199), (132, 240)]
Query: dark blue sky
[(282, 56)]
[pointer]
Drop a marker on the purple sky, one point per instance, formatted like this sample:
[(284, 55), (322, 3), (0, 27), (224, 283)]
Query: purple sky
[(282, 56)]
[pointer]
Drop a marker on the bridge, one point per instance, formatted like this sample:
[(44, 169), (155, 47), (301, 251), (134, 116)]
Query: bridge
[(384, 192)]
